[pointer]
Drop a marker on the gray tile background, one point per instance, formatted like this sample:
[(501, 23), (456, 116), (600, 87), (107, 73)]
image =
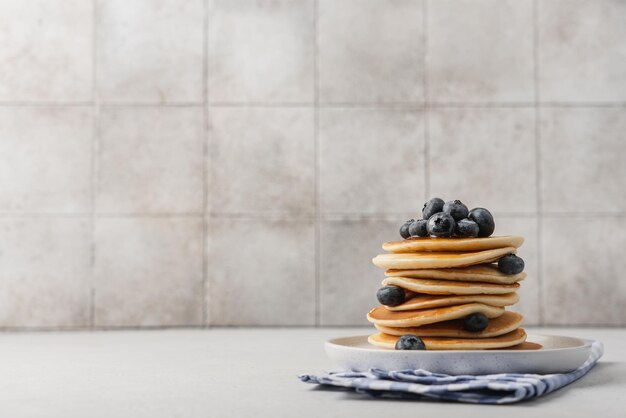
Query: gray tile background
[(219, 162)]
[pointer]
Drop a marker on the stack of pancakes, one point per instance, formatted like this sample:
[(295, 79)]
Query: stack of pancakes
[(444, 280)]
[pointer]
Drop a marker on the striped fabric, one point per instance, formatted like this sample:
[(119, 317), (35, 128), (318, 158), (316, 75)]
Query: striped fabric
[(485, 389)]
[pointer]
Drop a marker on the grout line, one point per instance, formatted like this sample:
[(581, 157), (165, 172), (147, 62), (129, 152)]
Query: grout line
[(295, 215), (95, 146), (426, 123), (46, 104), (377, 215), (364, 105), (150, 215), (316, 162), (537, 120), (151, 104), (261, 104), (409, 105), (299, 216), (346, 215), (545, 214), (205, 164), (549, 104), (148, 328), (480, 105), (368, 105), (122, 328), (419, 105), (21, 215), (79, 328), (375, 105)]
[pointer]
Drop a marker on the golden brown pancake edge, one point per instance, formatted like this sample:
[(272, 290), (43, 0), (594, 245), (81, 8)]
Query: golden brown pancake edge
[(507, 322), (426, 301), (383, 316), (510, 339), (487, 273), (432, 260), (450, 287), (419, 244)]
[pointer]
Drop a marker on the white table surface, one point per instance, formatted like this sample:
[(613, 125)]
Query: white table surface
[(244, 373)]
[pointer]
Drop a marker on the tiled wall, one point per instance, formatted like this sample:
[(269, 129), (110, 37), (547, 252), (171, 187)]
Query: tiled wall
[(239, 162)]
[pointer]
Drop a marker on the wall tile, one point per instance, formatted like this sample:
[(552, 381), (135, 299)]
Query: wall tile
[(148, 272), (348, 279), (480, 51), (484, 157), (371, 160), (46, 50), (150, 50), (150, 160), (583, 264), (263, 163), (530, 300), (46, 164), (371, 51), (261, 272), (45, 272), (582, 54), (262, 160), (276, 66), (582, 159)]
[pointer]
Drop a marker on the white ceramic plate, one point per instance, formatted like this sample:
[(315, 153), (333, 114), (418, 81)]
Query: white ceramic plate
[(557, 355)]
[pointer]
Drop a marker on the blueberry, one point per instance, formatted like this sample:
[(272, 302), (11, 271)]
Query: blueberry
[(466, 228), (456, 209), (404, 229), (475, 322), (441, 225), (410, 342), (390, 295), (434, 205), (484, 219), (418, 228), (511, 264)]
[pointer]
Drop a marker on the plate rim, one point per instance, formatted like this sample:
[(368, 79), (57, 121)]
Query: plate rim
[(586, 343)]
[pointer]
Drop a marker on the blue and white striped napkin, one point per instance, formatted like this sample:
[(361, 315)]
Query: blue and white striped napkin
[(486, 389)]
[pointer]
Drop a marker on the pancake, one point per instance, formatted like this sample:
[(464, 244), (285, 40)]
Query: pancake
[(507, 322), (383, 316), (429, 260), (526, 345), (510, 339), (487, 273), (424, 301), (449, 287), (420, 244)]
